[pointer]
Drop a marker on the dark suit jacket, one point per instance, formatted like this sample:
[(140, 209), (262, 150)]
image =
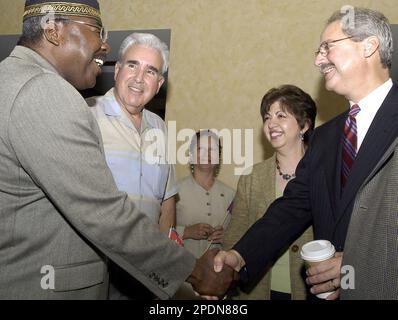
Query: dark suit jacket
[(315, 195)]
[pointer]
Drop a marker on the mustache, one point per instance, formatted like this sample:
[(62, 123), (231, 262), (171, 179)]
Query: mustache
[(325, 66)]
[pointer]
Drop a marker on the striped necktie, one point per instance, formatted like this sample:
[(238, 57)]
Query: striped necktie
[(349, 143)]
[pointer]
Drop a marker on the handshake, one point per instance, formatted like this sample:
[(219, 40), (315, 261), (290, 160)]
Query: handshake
[(215, 272)]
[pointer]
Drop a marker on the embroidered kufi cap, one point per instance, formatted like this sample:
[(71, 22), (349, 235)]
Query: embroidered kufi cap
[(80, 8)]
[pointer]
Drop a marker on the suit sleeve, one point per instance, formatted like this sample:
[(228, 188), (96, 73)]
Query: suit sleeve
[(57, 142), (286, 218)]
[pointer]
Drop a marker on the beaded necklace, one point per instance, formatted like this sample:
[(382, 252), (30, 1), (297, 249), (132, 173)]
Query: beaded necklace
[(285, 176)]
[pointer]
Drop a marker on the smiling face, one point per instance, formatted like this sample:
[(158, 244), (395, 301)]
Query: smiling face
[(81, 52), (281, 127), (344, 66), (138, 77)]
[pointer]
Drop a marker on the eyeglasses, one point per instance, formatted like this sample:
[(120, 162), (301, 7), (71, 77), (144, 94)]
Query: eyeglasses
[(103, 31), (325, 46)]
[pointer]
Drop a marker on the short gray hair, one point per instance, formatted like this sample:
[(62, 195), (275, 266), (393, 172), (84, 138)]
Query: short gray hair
[(147, 40), (31, 31), (368, 23)]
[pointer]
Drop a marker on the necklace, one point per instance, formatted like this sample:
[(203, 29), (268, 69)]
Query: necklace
[(285, 176)]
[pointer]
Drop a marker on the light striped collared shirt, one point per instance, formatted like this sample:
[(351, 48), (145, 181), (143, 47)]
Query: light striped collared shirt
[(138, 163)]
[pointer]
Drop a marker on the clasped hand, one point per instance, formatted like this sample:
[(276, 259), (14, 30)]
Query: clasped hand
[(209, 283), (324, 277), (203, 231)]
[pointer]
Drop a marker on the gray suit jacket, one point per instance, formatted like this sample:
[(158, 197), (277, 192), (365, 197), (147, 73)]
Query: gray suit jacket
[(59, 205), (371, 247)]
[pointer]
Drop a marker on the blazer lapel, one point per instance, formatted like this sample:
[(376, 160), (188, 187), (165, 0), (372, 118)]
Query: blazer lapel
[(266, 183), (385, 157), (382, 132), (331, 160), (338, 164)]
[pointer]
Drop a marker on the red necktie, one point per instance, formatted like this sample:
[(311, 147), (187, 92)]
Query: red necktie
[(349, 143)]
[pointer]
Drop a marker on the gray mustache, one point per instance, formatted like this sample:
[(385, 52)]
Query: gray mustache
[(324, 66)]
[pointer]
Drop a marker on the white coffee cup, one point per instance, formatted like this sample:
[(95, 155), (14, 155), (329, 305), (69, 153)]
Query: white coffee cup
[(317, 251)]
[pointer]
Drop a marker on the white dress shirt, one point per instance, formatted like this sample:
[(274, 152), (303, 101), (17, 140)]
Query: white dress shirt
[(369, 107)]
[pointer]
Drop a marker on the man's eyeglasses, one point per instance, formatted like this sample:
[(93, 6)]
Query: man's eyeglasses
[(103, 31), (325, 46)]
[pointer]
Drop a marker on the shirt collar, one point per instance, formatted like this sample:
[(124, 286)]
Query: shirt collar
[(113, 109), (26, 53), (376, 97)]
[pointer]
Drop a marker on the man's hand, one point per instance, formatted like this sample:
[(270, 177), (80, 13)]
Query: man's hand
[(229, 258), (325, 276), (206, 281), (199, 231), (217, 236)]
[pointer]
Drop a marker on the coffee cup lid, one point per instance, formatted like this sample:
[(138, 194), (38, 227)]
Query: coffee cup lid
[(317, 250)]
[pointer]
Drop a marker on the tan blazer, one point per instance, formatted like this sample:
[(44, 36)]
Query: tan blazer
[(371, 246), (255, 193), (59, 205)]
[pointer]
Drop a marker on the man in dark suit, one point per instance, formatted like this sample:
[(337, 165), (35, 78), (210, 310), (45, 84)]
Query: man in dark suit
[(355, 58)]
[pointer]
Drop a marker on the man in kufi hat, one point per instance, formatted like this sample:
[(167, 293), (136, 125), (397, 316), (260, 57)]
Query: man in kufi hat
[(61, 215)]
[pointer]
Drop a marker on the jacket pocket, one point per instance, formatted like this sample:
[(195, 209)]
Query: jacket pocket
[(79, 276)]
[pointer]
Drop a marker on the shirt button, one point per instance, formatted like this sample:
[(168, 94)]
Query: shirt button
[(295, 248), (207, 193), (208, 203), (209, 214)]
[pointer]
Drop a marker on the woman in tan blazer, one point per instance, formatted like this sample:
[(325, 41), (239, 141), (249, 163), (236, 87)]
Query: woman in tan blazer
[(288, 115)]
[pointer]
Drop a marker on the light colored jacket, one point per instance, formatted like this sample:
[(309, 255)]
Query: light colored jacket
[(256, 191), (59, 205)]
